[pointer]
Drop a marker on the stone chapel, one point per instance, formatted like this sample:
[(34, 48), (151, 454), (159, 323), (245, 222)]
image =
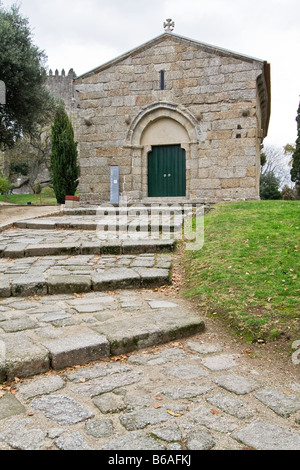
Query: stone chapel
[(181, 120)]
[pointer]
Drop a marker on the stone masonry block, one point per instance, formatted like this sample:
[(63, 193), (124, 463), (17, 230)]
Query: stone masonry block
[(24, 358), (60, 284), (26, 286), (74, 350), (115, 278)]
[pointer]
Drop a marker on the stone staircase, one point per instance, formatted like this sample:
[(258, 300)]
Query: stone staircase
[(83, 256)]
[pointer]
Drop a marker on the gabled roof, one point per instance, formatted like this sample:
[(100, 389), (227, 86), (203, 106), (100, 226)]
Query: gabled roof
[(265, 86), (175, 37)]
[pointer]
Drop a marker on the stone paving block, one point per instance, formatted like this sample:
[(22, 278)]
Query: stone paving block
[(79, 225), (74, 350), (72, 441), (53, 316), (21, 436), (108, 383), (265, 436), (111, 247), (52, 249), (18, 324), (26, 285), (281, 403), (42, 385), (60, 284), (115, 278), (237, 384), (90, 248), (95, 371), (220, 362), (179, 392), (5, 287), (21, 224), (97, 300), (142, 418), (167, 355), (46, 224), (147, 246), (24, 358), (146, 330), (169, 433), (62, 409), (154, 276), (15, 250), (99, 428), (135, 440), (10, 406), (136, 402), (217, 422), (230, 404), (200, 440), (109, 403), (186, 371), (205, 348), (143, 262)]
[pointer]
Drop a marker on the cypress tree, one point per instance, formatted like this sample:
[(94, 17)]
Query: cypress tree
[(64, 167), (295, 171)]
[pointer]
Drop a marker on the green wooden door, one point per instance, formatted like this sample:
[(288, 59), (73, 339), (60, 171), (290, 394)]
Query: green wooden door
[(166, 171)]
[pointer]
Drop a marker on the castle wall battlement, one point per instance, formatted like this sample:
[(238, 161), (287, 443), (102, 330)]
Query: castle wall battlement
[(61, 85)]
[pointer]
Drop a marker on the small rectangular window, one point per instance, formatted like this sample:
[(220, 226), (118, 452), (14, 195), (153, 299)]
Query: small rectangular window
[(162, 79)]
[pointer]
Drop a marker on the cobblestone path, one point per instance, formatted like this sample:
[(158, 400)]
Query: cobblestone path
[(124, 364)]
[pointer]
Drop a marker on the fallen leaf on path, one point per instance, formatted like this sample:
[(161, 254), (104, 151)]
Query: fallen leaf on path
[(172, 413)]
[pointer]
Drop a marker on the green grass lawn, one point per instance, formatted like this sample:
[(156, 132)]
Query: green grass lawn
[(46, 197), (248, 270)]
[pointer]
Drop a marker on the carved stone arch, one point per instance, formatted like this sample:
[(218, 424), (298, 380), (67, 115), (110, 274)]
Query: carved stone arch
[(174, 124), (160, 110)]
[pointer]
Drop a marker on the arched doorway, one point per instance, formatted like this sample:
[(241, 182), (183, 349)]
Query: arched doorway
[(166, 162), (167, 171), (162, 137)]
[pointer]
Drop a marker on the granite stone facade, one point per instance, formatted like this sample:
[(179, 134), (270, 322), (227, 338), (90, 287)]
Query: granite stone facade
[(172, 90)]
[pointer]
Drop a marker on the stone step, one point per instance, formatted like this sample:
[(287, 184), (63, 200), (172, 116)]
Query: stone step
[(112, 246), (80, 274), (28, 351), (135, 209), (105, 223), (147, 330)]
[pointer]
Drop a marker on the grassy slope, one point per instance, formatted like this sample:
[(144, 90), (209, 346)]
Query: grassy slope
[(248, 270)]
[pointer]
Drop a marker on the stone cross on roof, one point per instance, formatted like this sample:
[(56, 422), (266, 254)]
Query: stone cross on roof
[(169, 25)]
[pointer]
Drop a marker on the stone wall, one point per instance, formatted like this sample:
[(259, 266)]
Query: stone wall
[(211, 93), (62, 86)]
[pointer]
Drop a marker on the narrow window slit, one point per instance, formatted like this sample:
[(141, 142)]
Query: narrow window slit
[(162, 79)]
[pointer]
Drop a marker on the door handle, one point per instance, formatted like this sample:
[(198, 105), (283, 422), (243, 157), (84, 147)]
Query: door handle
[(165, 175), (169, 175)]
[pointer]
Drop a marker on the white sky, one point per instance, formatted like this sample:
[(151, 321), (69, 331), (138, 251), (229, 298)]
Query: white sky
[(83, 34)]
